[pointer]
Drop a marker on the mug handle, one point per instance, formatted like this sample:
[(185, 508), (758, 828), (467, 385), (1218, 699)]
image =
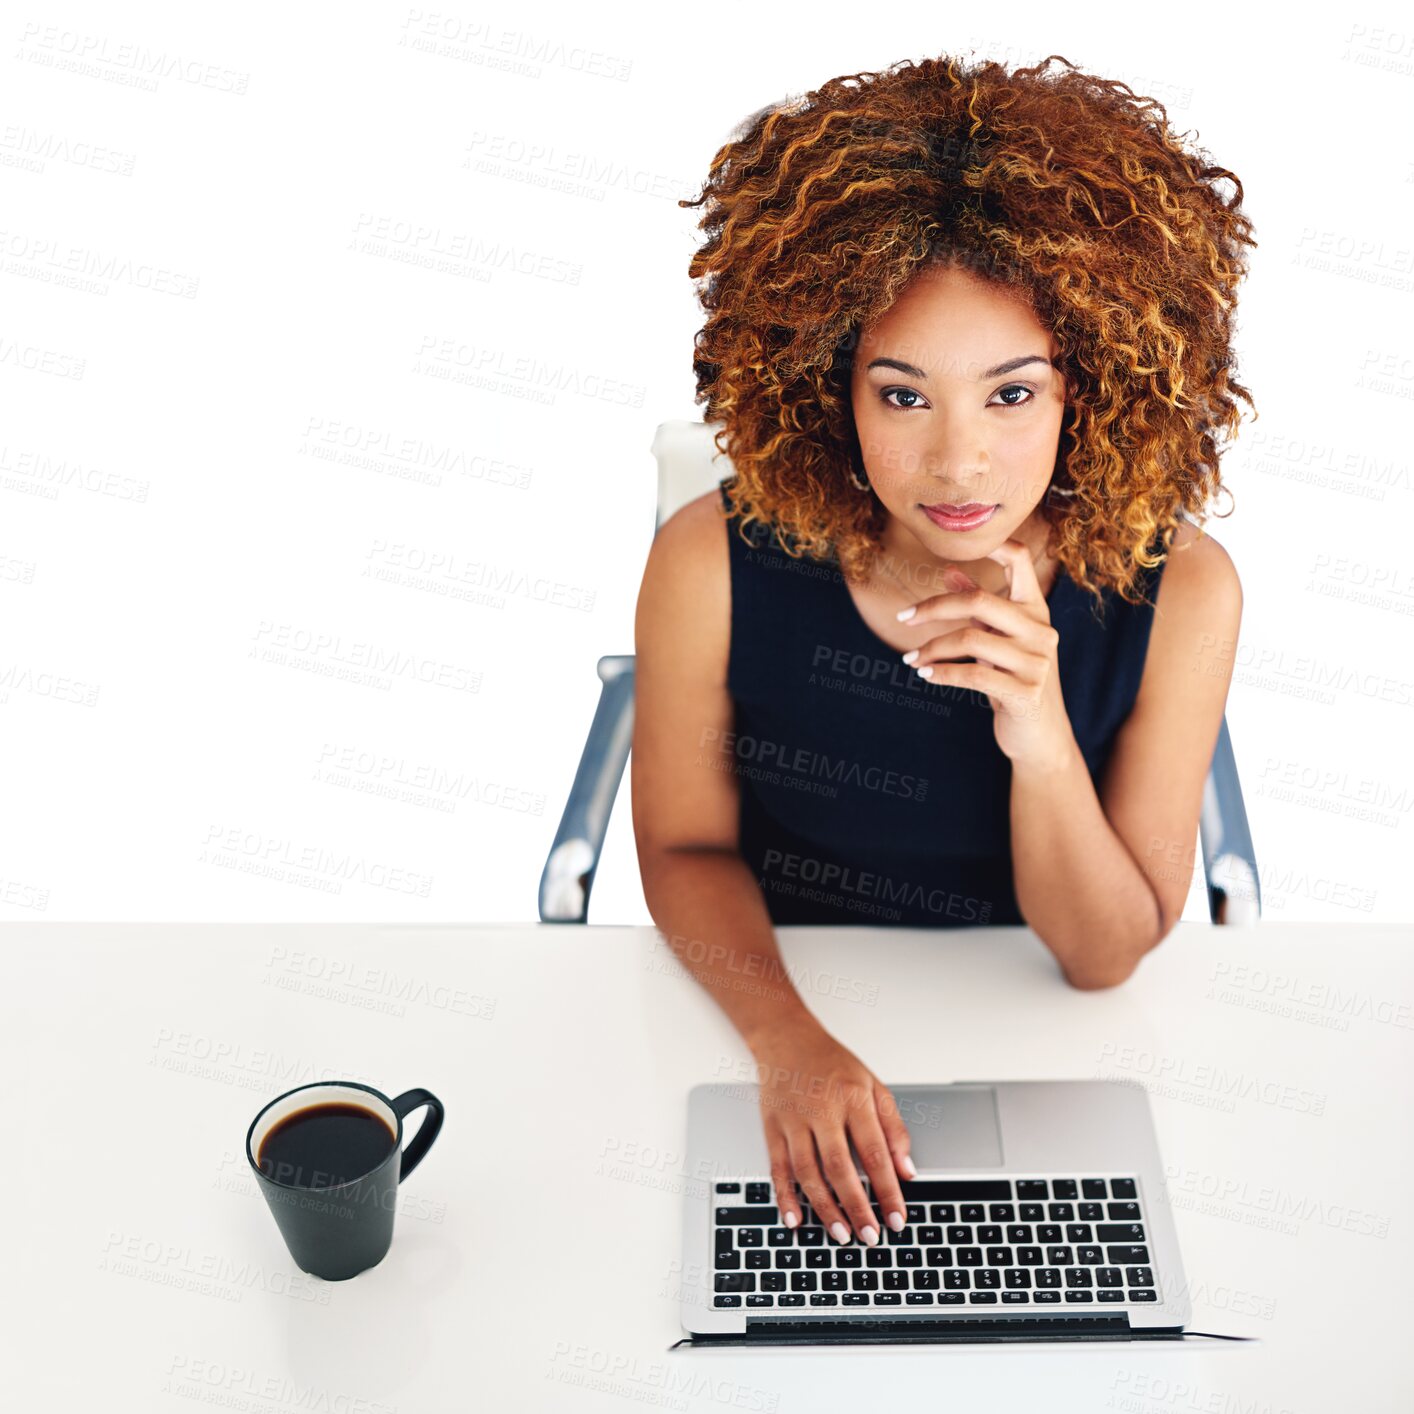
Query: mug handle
[(403, 1106)]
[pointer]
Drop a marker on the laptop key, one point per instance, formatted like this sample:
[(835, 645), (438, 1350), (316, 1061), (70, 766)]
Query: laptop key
[(758, 1192), (957, 1279), (920, 1298), (824, 1298), (942, 1212), (1017, 1276), (1109, 1295), (1120, 1212), (1089, 1256), (1073, 1295), (1108, 1276), (1016, 1297), (729, 1188), (779, 1237), (1143, 1295), (834, 1281), (1091, 1212), (1078, 1232), (1092, 1187), (1064, 1188), (758, 1298), (939, 1256), (735, 1281), (791, 1298), (726, 1300), (764, 1216), (987, 1279), (895, 1280), (1122, 1188), (1119, 1232), (888, 1298), (1131, 1255), (924, 1279), (804, 1281), (1045, 1297), (749, 1236), (981, 1298), (1031, 1188), (1048, 1276), (855, 1298), (1139, 1276), (818, 1257), (774, 1281)]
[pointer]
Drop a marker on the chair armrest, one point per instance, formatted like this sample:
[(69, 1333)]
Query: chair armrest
[(1234, 888), (569, 871)]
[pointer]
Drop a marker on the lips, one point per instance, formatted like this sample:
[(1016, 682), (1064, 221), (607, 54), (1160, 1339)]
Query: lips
[(946, 508)]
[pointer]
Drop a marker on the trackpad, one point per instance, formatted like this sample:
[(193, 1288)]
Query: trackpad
[(951, 1126)]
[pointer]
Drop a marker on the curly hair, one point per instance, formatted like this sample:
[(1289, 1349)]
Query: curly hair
[(1064, 187)]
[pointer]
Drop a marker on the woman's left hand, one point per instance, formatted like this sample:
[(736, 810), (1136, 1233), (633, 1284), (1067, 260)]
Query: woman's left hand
[(1015, 647)]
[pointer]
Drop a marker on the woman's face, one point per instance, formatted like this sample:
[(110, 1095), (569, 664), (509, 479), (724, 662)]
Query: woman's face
[(956, 402)]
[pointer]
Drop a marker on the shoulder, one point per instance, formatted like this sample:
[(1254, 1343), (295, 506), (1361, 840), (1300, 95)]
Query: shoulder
[(1196, 612), (1199, 579), (685, 597)]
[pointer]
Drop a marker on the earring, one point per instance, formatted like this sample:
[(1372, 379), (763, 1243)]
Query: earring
[(858, 484)]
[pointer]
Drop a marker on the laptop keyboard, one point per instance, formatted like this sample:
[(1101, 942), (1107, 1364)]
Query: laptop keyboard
[(967, 1242)]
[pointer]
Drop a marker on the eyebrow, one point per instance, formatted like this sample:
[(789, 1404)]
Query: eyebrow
[(1010, 366)]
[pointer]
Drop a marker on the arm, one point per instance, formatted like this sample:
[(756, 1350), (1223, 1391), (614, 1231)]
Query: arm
[(699, 890), (1095, 872)]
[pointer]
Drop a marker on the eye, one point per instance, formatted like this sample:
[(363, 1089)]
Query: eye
[(1015, 388), (886, 393)]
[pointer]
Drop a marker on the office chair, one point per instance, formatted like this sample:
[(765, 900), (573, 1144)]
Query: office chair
[(689, 465)]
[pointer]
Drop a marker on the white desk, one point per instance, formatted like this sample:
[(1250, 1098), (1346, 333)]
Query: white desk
[(535, 1263)]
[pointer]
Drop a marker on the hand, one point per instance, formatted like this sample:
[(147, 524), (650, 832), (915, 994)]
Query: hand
[(817, 1095), (1014, 645)]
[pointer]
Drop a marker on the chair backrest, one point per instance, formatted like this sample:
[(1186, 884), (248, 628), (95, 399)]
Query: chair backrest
[(689, 464)]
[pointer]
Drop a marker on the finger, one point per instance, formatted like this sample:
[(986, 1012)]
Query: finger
[(1022, 585), (839, 1168), (782, 1177), (998, 649), (874, 1153), (895, 1130), (962, 604), (1017, 696), (801, 1143)]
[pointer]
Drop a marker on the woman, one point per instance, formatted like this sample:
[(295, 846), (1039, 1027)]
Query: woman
[(948, 648)]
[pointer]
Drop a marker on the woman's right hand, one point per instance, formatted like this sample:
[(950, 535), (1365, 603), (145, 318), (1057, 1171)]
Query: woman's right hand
[(816, 1096)]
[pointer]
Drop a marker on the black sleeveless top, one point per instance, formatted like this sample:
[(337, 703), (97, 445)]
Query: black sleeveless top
[(868, 795)]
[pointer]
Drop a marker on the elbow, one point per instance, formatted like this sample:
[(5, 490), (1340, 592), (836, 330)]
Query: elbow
[(1097, 981)]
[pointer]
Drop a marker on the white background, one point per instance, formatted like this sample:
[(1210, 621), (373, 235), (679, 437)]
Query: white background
[(308, 323)]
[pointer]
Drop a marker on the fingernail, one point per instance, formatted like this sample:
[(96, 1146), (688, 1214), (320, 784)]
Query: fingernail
[(870, 1235), (910, 655), (907, 613), (896, 1221), (924, 672), (908, 1167), (791, 1219), (840, 1232)]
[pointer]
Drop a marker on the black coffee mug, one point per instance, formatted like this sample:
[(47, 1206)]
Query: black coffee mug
[(338, 1223)]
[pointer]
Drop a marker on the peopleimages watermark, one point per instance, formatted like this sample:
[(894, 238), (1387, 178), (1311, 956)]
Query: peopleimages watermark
[(861, 890), (803, 761)]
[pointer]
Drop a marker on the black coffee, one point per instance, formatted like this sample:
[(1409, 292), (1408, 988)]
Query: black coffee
[(326, 1145)]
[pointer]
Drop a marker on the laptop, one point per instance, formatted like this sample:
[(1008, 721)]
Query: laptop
[(1039, 1213)]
